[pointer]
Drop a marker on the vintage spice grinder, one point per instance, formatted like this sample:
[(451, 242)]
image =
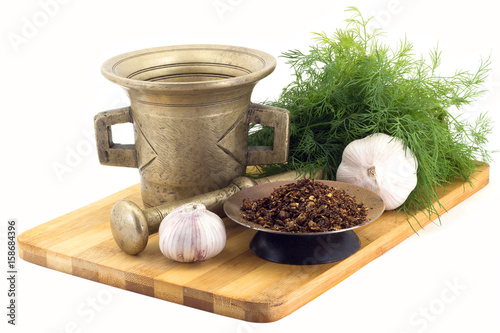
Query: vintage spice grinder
[(190, 107)]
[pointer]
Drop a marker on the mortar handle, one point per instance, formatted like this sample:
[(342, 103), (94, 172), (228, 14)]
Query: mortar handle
[(111, 153), (273, 117)]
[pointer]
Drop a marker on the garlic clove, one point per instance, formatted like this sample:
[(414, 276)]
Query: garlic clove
[(381, 164), (191, 233)]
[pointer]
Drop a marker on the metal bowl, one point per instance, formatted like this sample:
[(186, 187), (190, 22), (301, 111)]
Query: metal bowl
[(303, 248)]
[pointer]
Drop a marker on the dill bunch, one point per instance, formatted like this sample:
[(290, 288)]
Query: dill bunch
[(351, 85)]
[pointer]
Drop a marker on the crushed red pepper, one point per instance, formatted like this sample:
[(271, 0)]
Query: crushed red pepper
[(305, 206)]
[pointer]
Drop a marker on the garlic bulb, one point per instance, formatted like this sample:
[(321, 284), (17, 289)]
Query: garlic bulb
[(380, 163), (191, 233)]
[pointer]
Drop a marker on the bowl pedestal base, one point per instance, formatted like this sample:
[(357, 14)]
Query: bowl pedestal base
[(309, 249)]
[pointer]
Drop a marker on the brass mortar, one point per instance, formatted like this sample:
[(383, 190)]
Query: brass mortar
[(190, 107)]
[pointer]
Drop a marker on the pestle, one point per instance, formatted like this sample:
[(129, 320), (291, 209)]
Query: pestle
[(131, 225)]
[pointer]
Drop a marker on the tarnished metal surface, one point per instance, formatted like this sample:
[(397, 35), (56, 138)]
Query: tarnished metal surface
[(190, 106), (131, 226)]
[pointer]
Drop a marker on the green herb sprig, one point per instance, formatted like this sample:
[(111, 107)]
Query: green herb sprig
[(351, 85)]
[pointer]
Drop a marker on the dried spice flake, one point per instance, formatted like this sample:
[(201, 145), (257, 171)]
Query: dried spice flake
[(305, 206)]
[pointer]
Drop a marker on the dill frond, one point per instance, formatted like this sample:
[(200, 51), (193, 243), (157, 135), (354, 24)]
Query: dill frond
[(350, 85)]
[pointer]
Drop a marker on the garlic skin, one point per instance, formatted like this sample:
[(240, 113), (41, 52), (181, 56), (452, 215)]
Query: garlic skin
[(191, 233), (381, 164)]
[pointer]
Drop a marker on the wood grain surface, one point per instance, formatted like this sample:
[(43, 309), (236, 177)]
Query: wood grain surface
[(236, 283)]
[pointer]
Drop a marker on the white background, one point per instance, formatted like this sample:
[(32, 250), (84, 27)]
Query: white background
[(51, 88)]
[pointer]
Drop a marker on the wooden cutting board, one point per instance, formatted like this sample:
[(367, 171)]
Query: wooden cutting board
[(236, 283)]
